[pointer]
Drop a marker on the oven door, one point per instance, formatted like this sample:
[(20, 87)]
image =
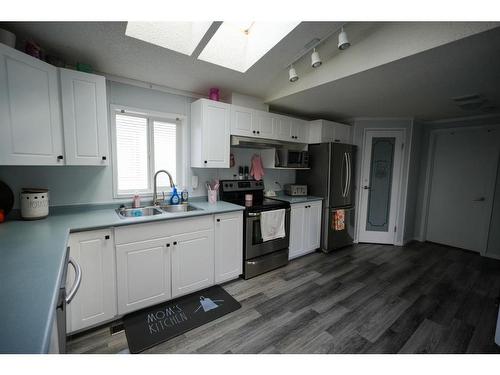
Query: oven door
[(254, 246)]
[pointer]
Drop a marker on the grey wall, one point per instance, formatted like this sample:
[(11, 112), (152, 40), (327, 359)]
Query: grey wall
[(82, 185), (362, 124), (494, 235)]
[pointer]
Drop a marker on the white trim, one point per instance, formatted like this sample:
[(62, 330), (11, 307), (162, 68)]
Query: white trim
[(398, 206), (152, 86), (151, 116), (428, 174)]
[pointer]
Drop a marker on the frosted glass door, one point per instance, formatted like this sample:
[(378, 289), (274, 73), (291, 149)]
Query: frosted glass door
[(379, 195)]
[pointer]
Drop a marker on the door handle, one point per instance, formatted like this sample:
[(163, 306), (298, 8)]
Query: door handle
[(482, 199), (367, 187), (78, 280)]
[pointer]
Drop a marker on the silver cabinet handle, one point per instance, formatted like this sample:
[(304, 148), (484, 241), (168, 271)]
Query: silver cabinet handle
[(78, 280)]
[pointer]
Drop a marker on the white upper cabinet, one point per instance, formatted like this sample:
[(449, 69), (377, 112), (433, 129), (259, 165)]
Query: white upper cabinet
[(210, 134), (329, 131), (263, 125), (283, 126), (85, 118), (242, 121), (30, 115), (299, 131)]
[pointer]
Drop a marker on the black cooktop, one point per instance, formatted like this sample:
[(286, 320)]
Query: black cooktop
[(260, 205)]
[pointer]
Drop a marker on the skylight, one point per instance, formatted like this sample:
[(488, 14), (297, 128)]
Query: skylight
[(240, 45), (235, 45), (182, 37)]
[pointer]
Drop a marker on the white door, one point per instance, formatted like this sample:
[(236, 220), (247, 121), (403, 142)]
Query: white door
[(241, 121), (143, 274), (380, 185), (283, 126), (462, 185), (263, 124), (216, 134), (85, 118), (95, 301), (228, 246), (30, 118), (192, 262), (312, 226), (297, 230)]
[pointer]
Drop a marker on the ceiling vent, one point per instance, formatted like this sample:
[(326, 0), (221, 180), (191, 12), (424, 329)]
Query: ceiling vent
[(474, 102)]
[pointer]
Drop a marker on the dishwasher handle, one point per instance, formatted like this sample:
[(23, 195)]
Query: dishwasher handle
[(78, 280)]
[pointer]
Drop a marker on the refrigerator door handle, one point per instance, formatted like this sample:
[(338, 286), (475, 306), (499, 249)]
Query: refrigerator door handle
[(346, 166), (349, 174)]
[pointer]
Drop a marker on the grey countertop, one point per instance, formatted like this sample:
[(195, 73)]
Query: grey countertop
[(292, 200), (32, 255)]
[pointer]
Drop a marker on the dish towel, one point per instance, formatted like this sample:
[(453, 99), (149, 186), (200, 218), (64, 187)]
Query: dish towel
[(339, 220), (272, 225), (257, 169)]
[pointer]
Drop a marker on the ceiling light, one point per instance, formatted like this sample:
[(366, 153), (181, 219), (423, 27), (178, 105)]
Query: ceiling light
[(343, 40), (315, 59), (292, 74)]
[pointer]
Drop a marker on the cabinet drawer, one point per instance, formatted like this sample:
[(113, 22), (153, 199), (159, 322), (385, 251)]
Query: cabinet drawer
[(147, 231)]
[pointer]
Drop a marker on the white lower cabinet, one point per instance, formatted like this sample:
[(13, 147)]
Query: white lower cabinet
[(143, 273), (305, 228), (228, 246), (95, 301), (192, 262)]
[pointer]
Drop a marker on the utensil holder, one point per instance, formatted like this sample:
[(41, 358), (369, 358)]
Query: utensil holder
[(212, 196)]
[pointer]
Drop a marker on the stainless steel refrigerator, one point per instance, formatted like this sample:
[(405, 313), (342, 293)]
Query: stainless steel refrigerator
[(331, 177)]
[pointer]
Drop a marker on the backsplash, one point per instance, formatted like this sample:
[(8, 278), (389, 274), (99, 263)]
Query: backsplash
[(71, 185)]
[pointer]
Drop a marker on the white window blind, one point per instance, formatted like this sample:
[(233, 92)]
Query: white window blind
[(145, 144), (165, 146), (132, 153)]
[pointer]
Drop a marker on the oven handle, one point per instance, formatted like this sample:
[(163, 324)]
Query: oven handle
[(256, 214)]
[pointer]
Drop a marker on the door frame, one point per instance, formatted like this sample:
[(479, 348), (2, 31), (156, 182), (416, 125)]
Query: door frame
[(381, 132), (429, 169)]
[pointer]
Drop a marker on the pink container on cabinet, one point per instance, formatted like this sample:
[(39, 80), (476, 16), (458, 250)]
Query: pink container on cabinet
[(214, 94)]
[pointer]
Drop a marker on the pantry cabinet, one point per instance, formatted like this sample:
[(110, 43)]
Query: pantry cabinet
[(210, 134), (30, 115), (143, 273), (85, 118), (329, 131), (192, 262), (305, 228), (228, 242), (95, 301)]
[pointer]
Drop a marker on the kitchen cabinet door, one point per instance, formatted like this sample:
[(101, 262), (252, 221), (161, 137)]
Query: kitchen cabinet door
[(85, 118), (241, 121), (143, 274), (95, 301), (283, 126), (263, 125), (210, 134), (30, 113), (299, 131), (192, 262), (312, 226), (228, 246), (297, 230)]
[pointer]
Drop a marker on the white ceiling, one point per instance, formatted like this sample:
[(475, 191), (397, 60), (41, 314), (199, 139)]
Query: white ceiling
[(105, 46), (420, 86)]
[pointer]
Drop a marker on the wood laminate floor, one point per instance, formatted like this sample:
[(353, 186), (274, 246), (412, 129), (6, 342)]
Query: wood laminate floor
[(422, 298)]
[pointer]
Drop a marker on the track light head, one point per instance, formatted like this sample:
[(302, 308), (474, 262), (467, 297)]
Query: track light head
[(343, 40), (315, 59), (292, 74)]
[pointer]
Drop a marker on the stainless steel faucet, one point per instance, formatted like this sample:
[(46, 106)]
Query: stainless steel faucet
[(155, 199)]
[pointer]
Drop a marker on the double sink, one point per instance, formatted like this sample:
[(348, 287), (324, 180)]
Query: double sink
[(154, 210)]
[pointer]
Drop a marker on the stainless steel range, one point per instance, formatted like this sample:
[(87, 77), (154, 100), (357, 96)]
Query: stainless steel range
[(258, 256)]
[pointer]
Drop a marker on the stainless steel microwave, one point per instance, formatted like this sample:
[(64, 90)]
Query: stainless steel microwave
[(291, 159)]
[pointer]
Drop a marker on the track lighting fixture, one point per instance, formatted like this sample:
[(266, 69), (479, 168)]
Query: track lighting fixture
[(292, 74), (315, 59), (343, 40)]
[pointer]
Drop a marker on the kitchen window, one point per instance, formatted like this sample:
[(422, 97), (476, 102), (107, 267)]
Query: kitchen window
[(144, 143)]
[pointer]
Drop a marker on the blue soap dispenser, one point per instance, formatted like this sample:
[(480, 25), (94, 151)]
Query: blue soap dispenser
[(174, 199)]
